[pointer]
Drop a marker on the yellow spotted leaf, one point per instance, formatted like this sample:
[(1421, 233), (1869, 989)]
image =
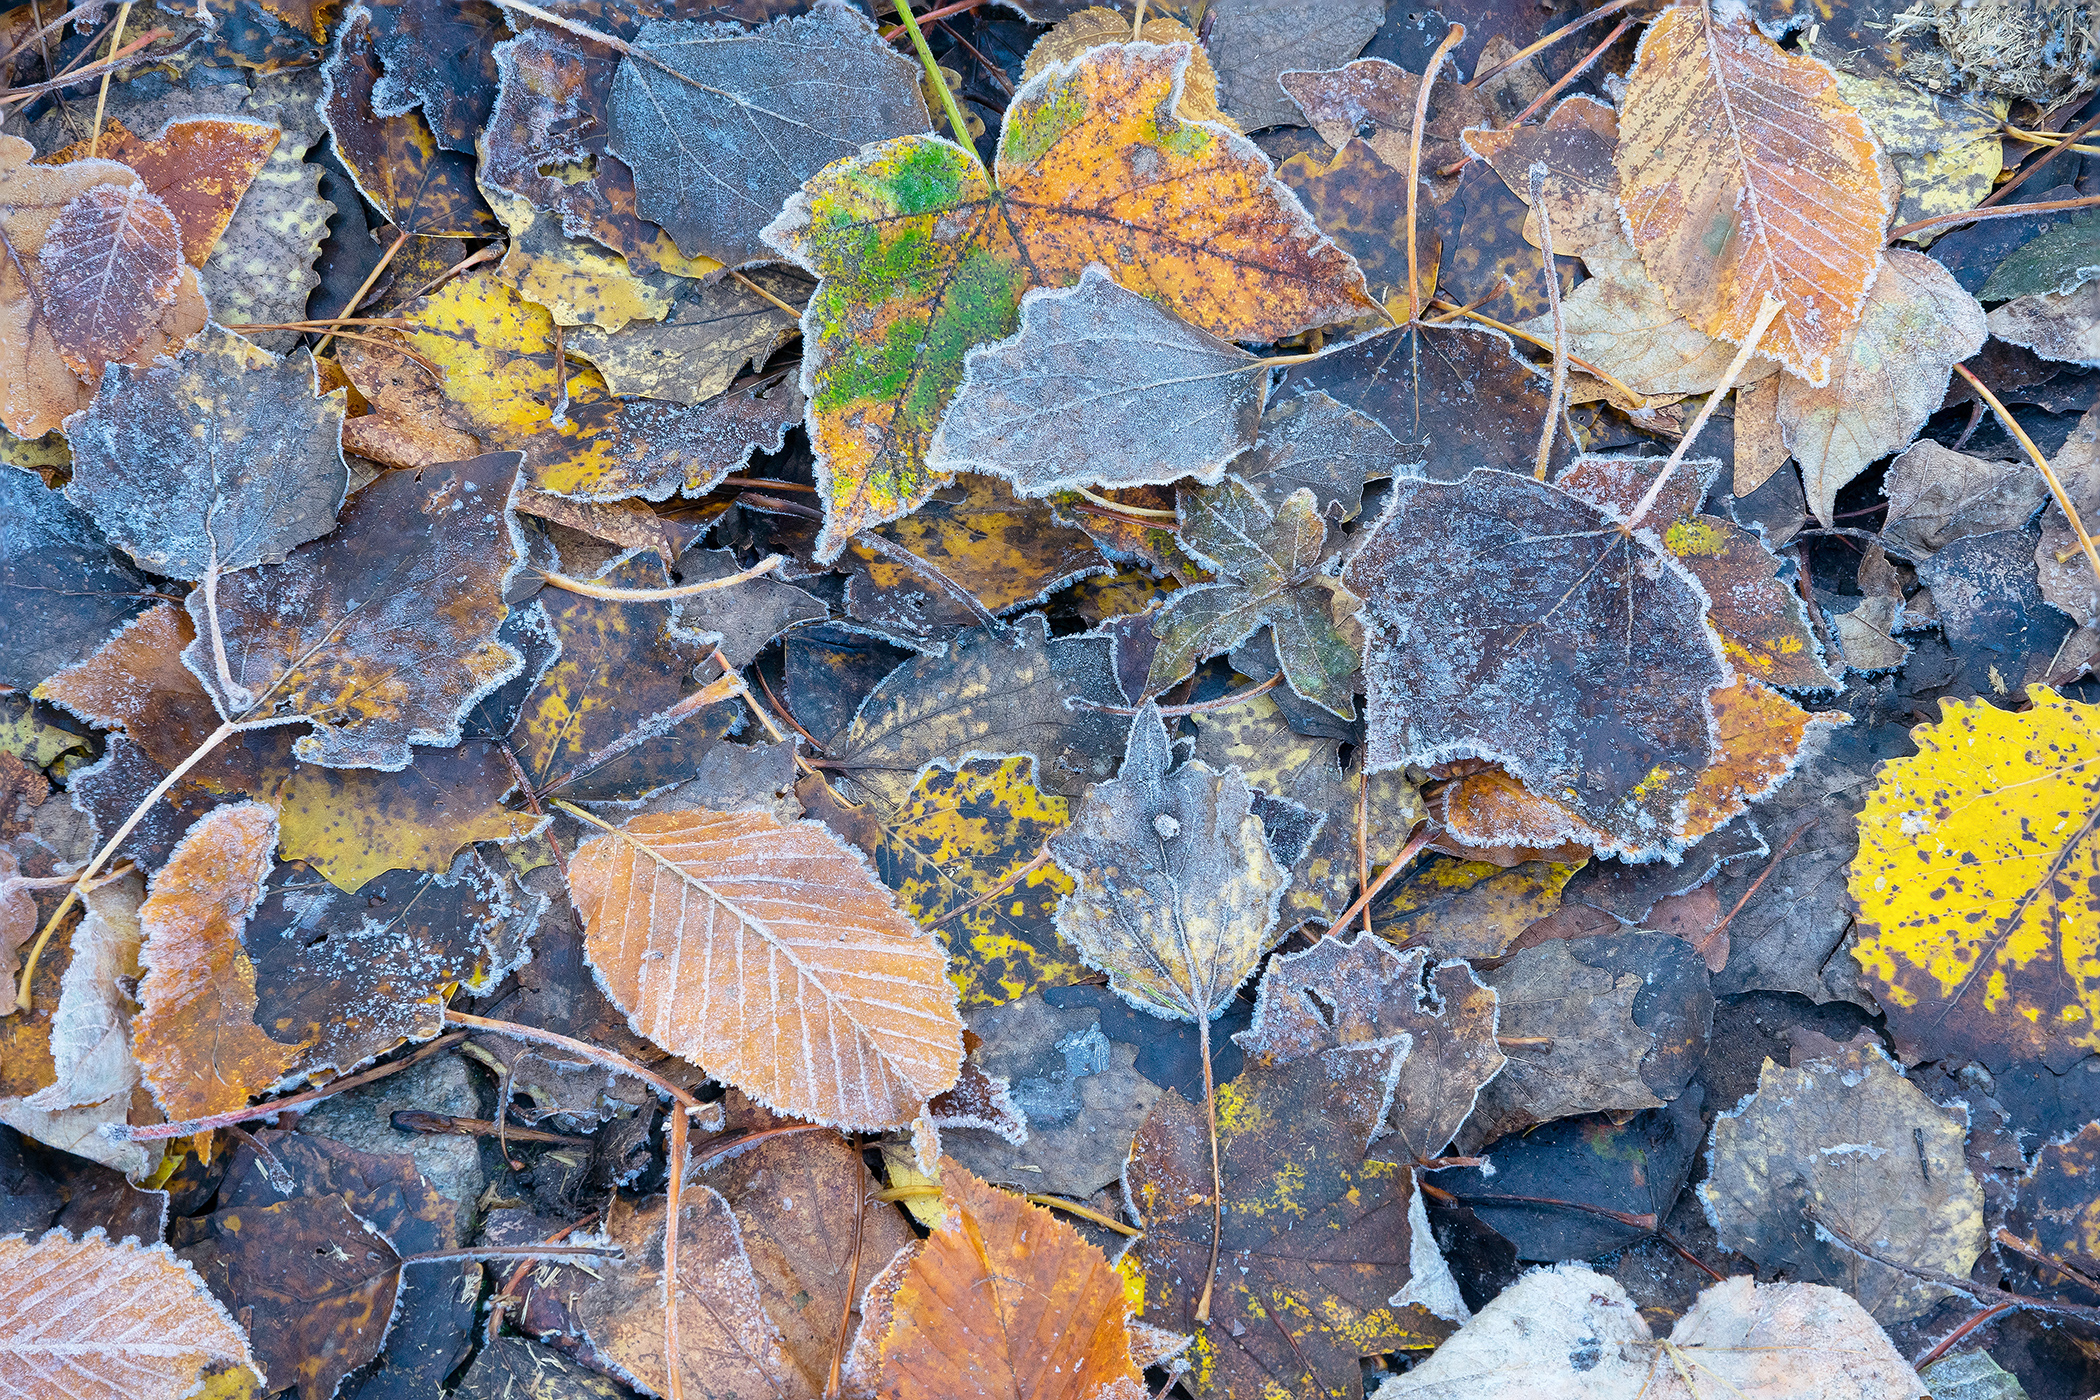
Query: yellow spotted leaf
[(1978, 882)]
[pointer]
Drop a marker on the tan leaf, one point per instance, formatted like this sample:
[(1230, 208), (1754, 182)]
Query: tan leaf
[(1742, 174), (196, 1039), (91, 1320), (770, 954)]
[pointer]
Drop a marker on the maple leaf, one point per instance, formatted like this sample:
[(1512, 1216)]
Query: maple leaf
[(199, 168), (1100, 387), (1005, 1286), (1792, 204), (395, 159), (721, 125), (1975, 883), (844, 1015), (63, 590), (1271, 567), (916, 237), (126, 1319), (220, 459)]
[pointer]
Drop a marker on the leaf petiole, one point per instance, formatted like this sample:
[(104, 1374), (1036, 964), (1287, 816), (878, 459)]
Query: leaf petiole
[(940, 85)]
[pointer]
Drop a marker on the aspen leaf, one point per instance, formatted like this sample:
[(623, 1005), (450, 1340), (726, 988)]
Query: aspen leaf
[(408, 420), (199, 168), (1100, 387), (918, 261), (1791, 203), (743, 117), (219, 459), (110, 265), (1978, 863), (63, 590), (771, 955), (1177, 891), (1937, 496), (701, 342), (1576, 143), (87, 1317), (1005, 1289), (1253, 42)]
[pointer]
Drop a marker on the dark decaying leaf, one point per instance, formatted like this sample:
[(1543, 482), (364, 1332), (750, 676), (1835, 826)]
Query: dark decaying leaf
[(1253, 41), (220, 459), (435, 54), (1100, 387), (1357, 200), (744, 117), (2057, 1212), (62, 589), (1314, 442), (1373, 100)]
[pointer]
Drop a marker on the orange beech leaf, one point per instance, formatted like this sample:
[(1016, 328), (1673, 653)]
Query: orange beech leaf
[(196, 1039), (1742, 172), (91, 1320), (772, 955), (1005, 1299)]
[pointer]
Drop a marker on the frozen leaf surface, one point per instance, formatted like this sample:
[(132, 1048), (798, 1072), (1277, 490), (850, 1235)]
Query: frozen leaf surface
[(1315, 443), (110, 266), (745, 116), (1252, 42), (1937, 496), (199, 168), (63, 590), (701, 343), (1177, 890), (1790, 202), (771, 955), (1101, 387), (220, 459), (94, 1320), (395, 158)]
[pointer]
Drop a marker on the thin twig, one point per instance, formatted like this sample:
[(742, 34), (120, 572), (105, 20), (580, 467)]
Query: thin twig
[(1217, 1171), (1106, 1222), (1538, 103), (2070, 139), (661, 595), (1994, 1311), (1767, 312), (1722, 927), (1453, 37), (1979, 215), (611, 1059), (1538, 175), (1413, 848), (2041, 463), (116, 40), (126, 1132), (2042, 138), (1014, 877), (860, 1216), (401, 237), (1538, 46), (960, 7), (793, 311), (1128, 509)]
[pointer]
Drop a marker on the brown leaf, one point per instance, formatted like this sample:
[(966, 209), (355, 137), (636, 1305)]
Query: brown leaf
[(410, 423), (1005, 1298), (1577, 143), (198, 167), (1792, 203), (87, 1317), (1937, 496), (770, 954), (109, 268), (1374, 101), (196, 1039)]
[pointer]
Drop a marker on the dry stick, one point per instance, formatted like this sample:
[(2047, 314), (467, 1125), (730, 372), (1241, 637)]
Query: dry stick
[(401, 237), (1977, 216), (2070, 139), (940, 83), (1106, 1222), (1127, 508), (2013, 1242), (1722, 927), (660, 595), (42, 36), (794, 311), (1502, 284), (2041, 463), (1538, 175), (769, 485), (991, 69), (961, 7), (683, 1102), (1572, 74), (116, 40), (125, 1132), (1363, 839), (1767, 312), (860, 1216), (1601, 12), (1217, 1172), (109, 848), (1995, 1311), (1413, 848), (97, 70), (416, 1120), (1014, 877), (1455, 36)]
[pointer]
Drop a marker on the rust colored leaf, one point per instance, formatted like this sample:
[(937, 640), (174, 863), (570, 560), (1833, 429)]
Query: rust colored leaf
[(195, 1036), (92, 1320), (772, 955), (1742, 174), (410, 423), (198, 167), (1005, 1299), (1373, 100), (109, 267)]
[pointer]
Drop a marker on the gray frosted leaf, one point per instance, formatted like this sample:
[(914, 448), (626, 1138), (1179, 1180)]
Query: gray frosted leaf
[(62, 589), (1506, 619), (1101, 387), (1326, 447), (703, 342), (1177, 892), (222, 456), (1252, 41), (743, 117)]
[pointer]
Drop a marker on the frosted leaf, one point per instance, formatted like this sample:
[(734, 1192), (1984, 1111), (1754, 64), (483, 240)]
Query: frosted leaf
[(1101, 387), (718, 144), (1253, 41), (91, 1030), (1316, 443), (1508, 620), (1270, 567), (701, 343), (222, 458), (1177, 924), (261, 271), (63, 590), (109, 266)]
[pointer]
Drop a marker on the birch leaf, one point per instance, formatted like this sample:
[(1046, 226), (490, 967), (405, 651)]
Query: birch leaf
[(110, 265), (772, 955)]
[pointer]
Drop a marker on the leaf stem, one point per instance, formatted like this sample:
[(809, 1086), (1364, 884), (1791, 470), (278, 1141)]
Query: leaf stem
[(1538, 175), (1400, 862), (116, 40), (1106, 1222), (1452, 39), (1538, 103), (401, 237), (940, 85), (125, 1132), (1125, 509), (661, 595), (674, 1186), (2041, 463), (1217, 1175), (2013, 211), (1555, 37), (611, 1059), (1767, 311)]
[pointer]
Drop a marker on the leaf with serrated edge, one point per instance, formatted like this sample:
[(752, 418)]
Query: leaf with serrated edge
[(772, 955)]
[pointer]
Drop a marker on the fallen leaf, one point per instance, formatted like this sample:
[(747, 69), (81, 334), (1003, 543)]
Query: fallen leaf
[(1487, 261), (153, 1345), (1793, 207), (2062, 570), (1373, 100), (1588, 612), (1937, 496), (720, 126), (195, 1036), (1866, 636), (1092, 27), (63, 590), (2055, 1212), (826, 955), (581, 282), (1621, 322), (219, 459), (1970, 1375), (1006, 1288), (1100, 387), (436, 55), (1315, 443), (199, 168), (91, 1030), (109, 268), (1945, 147), (1974, 878), (261, 269), (1577, 144), (1252, 42), (410, 422), (1205, 230), (2059, 260), (728, 1348), (1469, 908), (1847, 1142), (701, 342), (1272, 573), (2055, 326), (1886, 377), (1762, 624), (1177, 892), (1358, 200)]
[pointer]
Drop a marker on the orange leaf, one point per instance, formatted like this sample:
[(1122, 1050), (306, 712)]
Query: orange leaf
[(1004, 1288), (196, 1039), (89, 1318), (770, 954), (1743, 173), (198, 166)]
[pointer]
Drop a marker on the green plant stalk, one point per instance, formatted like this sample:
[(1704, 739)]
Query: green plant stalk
[(940, 84)]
